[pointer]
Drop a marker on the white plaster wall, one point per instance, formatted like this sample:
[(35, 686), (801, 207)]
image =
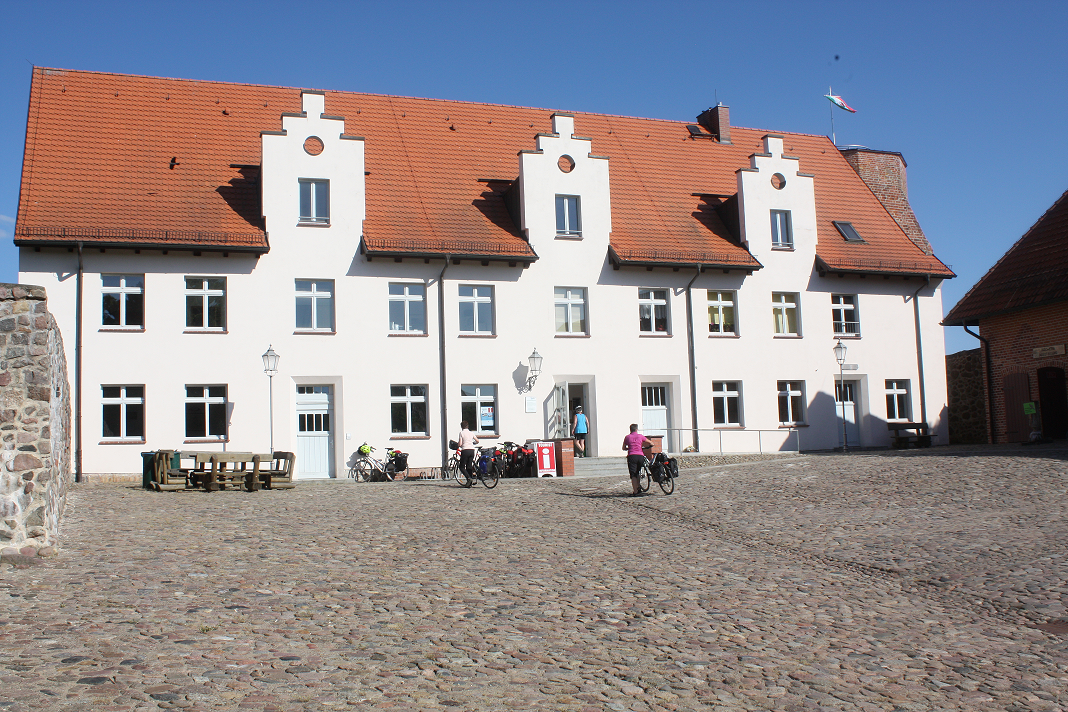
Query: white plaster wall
[(361, 360)]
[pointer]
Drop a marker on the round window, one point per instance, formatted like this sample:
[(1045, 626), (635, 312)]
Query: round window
[(313, 145), (778, 181), (566, 163)]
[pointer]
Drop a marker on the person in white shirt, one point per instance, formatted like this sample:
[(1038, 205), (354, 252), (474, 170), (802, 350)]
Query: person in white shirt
[(467, 449)]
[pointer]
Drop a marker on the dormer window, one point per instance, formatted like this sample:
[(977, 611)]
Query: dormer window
[(848, 231), (568, 223), (314, 201)]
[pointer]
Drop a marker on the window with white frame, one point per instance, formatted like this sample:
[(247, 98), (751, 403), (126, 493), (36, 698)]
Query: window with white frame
[(568, 222), (726, 403), (570, 305), (652, 311), (721, 311), (123, 412), (407, 410), (205, 412), (123, 301), (845, 315), (781, 234), (315, 305), (314, 201), (205, 303), (784, 310), (476, 309), (898, 406), (478, 406), (407, 308), (791, 402)]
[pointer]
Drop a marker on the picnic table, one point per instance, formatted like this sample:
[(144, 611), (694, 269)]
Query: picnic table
[(213, 471), (905, 434)]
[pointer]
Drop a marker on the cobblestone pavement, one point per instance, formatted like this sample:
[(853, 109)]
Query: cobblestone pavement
[(874, 581)]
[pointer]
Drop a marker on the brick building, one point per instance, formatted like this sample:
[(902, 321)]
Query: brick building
[(1021, 309)]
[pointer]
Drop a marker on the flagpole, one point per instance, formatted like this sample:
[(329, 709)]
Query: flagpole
[(833, 140)]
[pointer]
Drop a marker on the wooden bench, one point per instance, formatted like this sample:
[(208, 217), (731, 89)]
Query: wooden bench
[(229, 468), (213, 471), (278, 473), (905, 434)]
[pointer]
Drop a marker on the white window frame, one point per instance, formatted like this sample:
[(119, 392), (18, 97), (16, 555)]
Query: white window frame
[(480, 400), (315, 187), (845, 317), (571, 299), (407, 400), (650, 303), (898, 389), (207, 401), (568, 216), (782, 303), (473, 301), (791, 390), (407, 298), (123, 292), (716, 303), (315, 294), (726, 391), (782, 230), (123, 401), (204, 294)]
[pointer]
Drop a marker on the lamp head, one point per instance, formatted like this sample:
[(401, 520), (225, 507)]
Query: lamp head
[(270, 362), (840, 352), (535, 363)]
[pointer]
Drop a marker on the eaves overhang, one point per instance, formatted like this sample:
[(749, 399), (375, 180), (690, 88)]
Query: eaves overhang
[(886, 268), (143, 239), (678, 259), (453, 250)]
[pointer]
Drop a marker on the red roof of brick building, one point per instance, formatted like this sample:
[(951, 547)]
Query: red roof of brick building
[(1033, 272), (125, 160)]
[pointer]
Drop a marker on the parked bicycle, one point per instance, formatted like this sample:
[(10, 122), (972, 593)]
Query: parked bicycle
[(368, 468), (662, 470), (518, 460)]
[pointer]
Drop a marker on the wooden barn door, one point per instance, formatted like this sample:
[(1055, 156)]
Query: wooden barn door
[(1017, 392)]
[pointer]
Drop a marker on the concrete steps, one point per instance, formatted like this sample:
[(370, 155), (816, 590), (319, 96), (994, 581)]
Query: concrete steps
[(601, 467)]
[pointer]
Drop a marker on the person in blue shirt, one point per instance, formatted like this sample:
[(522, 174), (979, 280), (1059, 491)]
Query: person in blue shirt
[(580, 426)]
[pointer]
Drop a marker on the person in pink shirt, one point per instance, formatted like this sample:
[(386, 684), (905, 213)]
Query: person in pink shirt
[(633, 444)]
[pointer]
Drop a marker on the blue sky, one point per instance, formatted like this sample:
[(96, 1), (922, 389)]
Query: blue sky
[(973, 94)]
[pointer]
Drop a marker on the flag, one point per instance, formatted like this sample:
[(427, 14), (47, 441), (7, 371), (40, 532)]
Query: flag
[(837, 101)]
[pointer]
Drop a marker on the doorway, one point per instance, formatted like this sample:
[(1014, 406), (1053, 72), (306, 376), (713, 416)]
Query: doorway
[(655, 413), (315, 432), (845, 401), (1054, 402)]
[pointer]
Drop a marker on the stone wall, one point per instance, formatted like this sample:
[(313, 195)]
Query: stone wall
[(35, 463), (967, 404)]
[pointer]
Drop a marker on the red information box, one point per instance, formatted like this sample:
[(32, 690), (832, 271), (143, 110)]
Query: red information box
[(546, 459)]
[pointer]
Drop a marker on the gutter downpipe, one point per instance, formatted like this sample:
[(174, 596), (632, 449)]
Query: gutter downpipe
[(441, 364), (919, 348), (78, 373), (989, 383), (693, 360)]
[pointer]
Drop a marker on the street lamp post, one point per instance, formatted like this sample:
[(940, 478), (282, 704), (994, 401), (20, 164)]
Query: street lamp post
[(840, 356), (270, 367)]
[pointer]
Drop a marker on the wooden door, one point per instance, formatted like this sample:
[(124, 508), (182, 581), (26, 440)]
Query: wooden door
[(1017, 391)]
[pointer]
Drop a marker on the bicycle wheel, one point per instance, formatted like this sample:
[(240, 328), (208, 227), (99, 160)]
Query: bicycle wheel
[(667, 482), (389, 472), (362, 471), (451, 467), (491, 478), (462, 477), (644, 478)]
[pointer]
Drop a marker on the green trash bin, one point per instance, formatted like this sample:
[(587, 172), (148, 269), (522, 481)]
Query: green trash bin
[(148, 472)]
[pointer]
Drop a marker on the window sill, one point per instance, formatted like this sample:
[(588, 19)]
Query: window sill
[(723, 336), (310, 223), (477, 336), (123, 329), (205, 441), (121, 442), (787, 336), (854, 337), (489, 436), (729, 427), (571, 336), (205, 331), (320, 332), (409, 437), (653, 336), (565, 236), (782, 248), (787, 426), (408, 333)]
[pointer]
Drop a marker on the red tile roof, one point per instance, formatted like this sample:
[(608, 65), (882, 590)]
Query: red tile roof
[(1033, 272), (120, 159)]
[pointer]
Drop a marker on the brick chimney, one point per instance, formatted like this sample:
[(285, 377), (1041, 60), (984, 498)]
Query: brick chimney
[(718, 122), (884, 172)]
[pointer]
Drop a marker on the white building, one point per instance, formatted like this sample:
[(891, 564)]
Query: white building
[(405, 257)]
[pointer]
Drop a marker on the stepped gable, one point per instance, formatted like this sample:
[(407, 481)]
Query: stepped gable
[(122, 160), (1033, 272)]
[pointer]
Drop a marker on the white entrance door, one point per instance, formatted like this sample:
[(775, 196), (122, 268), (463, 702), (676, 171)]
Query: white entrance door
[(655, 413), (315, 432), (845, 399), (558, 426)]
